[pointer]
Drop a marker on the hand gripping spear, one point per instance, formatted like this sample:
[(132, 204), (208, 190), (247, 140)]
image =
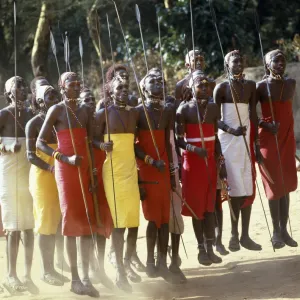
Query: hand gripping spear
[(238, 114), (53, 47), (106, 114), (138, 17), (272, 112)]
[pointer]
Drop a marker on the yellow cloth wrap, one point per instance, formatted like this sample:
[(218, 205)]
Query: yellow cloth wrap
[(127, 195), (42, 186)]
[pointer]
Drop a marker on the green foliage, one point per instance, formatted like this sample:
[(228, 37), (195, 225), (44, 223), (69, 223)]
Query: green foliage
[(279, 24)]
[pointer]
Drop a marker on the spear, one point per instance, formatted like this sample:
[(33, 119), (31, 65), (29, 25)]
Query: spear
[(164, 97), (53, 47), (138, 17), (106, 115), (137, 82), (67, 52), (110, 44), (272, 112), (237, 111), (197, 107), (81, 58), (15, 58), (161, 57)]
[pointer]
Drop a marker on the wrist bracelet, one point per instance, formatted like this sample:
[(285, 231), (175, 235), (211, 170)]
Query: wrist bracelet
[(221, 160), (95, 171), (149, 160), (102, 146), (190, 148)]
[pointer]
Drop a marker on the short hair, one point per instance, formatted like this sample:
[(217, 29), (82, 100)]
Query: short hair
[(110, 74)]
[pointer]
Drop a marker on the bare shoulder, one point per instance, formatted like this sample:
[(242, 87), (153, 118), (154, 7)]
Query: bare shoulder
[(221, 86), (290, 81), (34, 124), (251, 83)]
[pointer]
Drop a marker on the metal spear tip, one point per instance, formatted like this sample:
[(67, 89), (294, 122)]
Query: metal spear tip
[(137, 13)]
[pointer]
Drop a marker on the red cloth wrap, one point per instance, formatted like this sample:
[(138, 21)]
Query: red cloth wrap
[(156, 206), (283, 114), (249, 200), (105, 215), (74, 218), (196, 189)]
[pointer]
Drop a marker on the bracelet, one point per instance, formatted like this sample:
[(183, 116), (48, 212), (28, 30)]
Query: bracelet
[(221, 160), (57, 156), (102, 146), (149, 160), (95, 171), (226, 128), (172, 169), (51, 169), (190, 148)]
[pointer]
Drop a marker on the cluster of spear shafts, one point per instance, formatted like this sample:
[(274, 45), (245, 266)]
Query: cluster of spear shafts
[(138, 16)]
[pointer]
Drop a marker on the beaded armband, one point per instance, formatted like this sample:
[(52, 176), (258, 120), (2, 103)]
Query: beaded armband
[(172, 169), (148, 160), (57, 155)]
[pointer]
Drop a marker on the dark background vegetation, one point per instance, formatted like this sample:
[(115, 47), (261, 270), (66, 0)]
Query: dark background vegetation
[(280, 25)]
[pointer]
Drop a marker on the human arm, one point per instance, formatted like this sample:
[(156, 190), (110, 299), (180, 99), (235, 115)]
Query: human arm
[(169, 147), (45, 136), (141, 153), (218, 95), (100, 125), (180, 133), (218, 149), (31, 135)]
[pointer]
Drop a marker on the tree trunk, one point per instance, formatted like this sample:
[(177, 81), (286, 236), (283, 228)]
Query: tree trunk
[(39, 55)]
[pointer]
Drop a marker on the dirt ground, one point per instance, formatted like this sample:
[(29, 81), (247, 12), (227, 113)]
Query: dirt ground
[(242, 275)]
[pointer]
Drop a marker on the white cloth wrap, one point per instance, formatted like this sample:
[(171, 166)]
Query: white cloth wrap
[(15, 199), (176, 224), (238, 165)]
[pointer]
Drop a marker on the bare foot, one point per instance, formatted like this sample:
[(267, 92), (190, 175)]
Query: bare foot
[(13, 285), (31, 287)]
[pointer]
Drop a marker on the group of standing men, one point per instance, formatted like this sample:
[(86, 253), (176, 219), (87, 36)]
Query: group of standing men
[(91, 166)]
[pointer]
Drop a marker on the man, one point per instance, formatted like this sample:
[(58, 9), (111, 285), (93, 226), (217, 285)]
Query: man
[(15, 199), (176, 224), (120, 176), (199, 177), (73, 127), (122, 72), (59, 239), (156, 205), (42, 185), (238, 163), (193, 61), (97, 261), (282, 92)]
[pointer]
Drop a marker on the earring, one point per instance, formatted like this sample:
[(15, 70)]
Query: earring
[(42, 104)]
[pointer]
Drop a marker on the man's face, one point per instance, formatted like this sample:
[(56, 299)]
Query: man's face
[(195, 62), (72, 87), (202, 88), (20, 91), (154, 85), (278, 64), (119, 91), (50, 99), (88, 99), (236, 65)]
